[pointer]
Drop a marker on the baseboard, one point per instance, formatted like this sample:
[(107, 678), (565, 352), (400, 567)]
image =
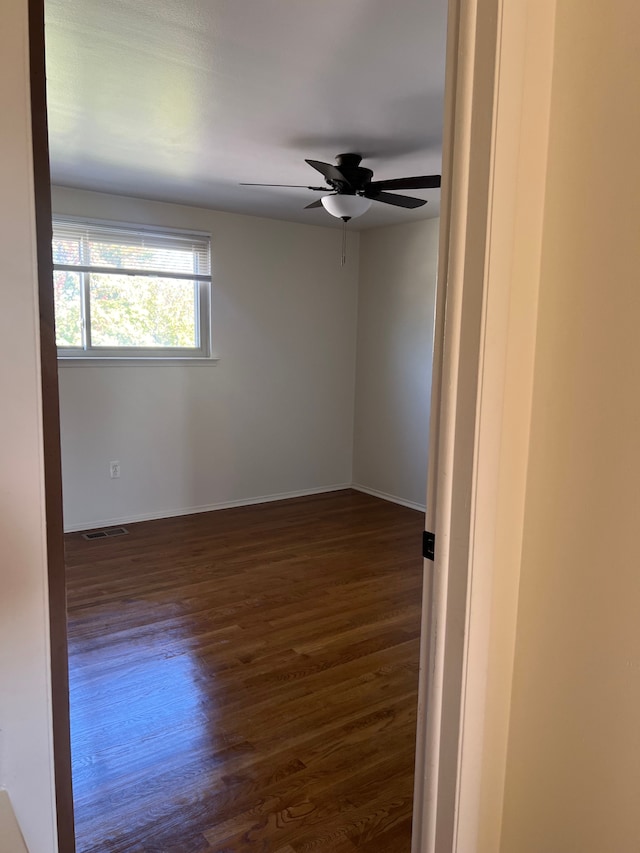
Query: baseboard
[(386, 497), (281, 496), (172, 513)]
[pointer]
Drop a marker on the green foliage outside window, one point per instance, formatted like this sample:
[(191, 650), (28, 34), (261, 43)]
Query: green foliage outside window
[(68, 302), (139, 311)]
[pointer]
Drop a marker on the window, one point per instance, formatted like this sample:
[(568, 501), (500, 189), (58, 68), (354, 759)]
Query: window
[(129, 292)]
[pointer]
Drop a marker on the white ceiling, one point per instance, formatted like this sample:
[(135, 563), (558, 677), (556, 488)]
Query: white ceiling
[(180, 100)]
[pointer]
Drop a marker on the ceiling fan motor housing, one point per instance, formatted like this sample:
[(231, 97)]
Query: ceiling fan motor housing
[(356, 176)]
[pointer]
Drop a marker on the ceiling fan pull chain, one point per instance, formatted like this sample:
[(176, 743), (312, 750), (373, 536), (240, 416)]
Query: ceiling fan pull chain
[(343, 259)]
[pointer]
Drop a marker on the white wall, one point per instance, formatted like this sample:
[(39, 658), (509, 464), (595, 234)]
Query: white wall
[(273, 416), (573, 771), (398, 267), (26, 760)]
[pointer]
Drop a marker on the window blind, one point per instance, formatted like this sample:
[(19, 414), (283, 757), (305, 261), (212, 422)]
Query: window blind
[(83, 246)]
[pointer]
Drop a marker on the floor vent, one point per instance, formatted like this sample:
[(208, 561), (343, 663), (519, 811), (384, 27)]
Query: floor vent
[(105, 534)]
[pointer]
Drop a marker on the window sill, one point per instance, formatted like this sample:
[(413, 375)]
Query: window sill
[(132, 362)]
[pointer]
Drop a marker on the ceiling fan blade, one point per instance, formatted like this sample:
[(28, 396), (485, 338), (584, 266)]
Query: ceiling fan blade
[(317, 203), (331, 173), (300, 186), (397, 200), (420, 182)]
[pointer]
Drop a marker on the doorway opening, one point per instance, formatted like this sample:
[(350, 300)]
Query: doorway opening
[(75, 384)]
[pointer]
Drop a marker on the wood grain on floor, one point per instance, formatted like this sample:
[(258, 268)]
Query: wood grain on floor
[(245, 680)]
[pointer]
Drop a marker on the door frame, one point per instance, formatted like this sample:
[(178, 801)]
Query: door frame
[(497, 98), (497, 108), (52, 462)]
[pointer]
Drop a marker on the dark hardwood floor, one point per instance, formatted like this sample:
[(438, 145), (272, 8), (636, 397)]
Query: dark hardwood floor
[(245, 680)]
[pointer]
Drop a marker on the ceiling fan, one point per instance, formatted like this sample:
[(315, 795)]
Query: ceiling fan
[(353, 189)]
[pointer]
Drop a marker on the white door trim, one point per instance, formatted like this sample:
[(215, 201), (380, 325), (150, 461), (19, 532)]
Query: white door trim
[(499, 67)]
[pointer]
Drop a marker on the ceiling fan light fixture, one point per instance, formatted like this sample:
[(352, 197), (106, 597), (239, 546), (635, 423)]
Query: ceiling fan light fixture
[(344, 206)]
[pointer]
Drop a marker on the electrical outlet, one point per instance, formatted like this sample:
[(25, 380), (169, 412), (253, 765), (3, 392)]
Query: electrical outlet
[(114, 470)]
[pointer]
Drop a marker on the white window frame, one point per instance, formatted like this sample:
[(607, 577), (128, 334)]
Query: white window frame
[(88, 352)]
